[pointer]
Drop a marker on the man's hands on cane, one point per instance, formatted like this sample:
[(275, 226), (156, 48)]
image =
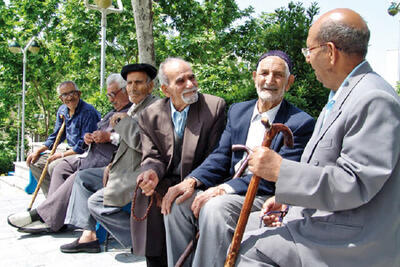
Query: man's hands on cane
[(265, 162), (148, 180), (202, 198), (180, 192)]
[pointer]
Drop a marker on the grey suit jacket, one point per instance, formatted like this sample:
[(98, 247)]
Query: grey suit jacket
[(204, 125), (126, 163), (345, 191)]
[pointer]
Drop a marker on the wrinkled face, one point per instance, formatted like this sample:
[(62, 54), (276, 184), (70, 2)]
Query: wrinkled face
[(182, 87), (69, 96), (116, 96), (137, 86), (271, 80), (318, 57)]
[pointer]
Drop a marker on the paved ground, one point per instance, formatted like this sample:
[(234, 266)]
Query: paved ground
[(19, 249)]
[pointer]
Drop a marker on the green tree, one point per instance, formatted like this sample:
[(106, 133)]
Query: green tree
[(222, 41)]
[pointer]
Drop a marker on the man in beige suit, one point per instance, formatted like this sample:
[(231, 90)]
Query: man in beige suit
[(177, 134), (87, 206)]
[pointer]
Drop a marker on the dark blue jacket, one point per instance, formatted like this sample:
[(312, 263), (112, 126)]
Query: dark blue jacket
[(218, 167)]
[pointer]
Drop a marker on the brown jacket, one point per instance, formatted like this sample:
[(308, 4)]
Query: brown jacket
[(204, 125)]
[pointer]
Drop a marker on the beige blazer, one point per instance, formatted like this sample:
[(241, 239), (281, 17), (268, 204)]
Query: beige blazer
[(126, 164)]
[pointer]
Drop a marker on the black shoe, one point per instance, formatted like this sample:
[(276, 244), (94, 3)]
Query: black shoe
[(75, 247)]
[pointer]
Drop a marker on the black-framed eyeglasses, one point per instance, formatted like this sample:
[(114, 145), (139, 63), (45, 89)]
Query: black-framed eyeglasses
[(114, 94), (307, 51), (65, 95)]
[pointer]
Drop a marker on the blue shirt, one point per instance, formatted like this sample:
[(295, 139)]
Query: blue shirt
[(179, 119), (84, 120)]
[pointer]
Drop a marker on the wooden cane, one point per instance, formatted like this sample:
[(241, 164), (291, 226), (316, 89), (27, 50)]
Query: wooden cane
[(43, 175), (270, 132)]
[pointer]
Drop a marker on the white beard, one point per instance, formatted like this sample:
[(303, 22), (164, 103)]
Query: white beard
[(192, 98), (268, 96)]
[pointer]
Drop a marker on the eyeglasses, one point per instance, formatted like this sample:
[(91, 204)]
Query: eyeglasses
[(307, 51), (114, 94), (65, 95)]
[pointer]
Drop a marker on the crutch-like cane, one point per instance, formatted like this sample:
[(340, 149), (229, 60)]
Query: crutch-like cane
[(43, 175), (270, 133)]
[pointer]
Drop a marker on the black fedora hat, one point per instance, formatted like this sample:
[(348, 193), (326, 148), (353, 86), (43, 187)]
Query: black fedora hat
[(149, 69)]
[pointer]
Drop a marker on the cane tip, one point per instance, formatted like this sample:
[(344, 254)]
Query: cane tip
[(28, 209)]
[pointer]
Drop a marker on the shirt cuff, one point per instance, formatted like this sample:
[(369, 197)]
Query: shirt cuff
[(115, 138), (227, 188), (198, 182)]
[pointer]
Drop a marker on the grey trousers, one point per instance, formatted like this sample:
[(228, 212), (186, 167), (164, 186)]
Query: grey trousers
[(54, 208), (216, 223), (37, 169), (87, 182), (86, 207), (264, 247)]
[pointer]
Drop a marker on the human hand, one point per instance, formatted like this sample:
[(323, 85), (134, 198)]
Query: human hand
[(88, 138), (272, 212), (183, 191), (147, 181), (266, 163), (32, 158), (101, 136), (116, 118), (55, 156), (202, 198)]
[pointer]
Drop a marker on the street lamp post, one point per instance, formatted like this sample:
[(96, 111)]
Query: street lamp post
[(15, 48), (104, 6), (392, 11)]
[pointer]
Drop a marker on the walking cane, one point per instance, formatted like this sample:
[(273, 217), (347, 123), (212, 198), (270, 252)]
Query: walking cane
[(189, 248), (43, 175), (270, 132)]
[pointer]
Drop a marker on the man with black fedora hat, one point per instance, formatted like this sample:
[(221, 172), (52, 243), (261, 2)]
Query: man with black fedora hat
[(100, 194), (215, 211)]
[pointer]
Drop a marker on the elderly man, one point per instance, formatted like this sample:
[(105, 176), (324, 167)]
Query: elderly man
[(217, 209), (344, 194), (106, 205), (177, 134), (80, 118), (49, 215)]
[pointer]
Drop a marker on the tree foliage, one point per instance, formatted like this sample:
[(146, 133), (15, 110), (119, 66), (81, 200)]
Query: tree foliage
[(222, 41)]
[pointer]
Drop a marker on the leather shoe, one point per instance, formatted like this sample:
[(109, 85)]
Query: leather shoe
[(36, 227), (20, 219), (75, 247)]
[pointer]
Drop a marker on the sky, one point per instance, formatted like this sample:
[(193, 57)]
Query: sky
[(385, 29)]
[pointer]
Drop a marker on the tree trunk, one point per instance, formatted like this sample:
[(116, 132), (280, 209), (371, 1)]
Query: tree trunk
[(143, 14)]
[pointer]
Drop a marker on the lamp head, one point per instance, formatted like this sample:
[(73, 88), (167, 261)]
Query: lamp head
[(393, 9), (103, 3), (34, 47), (14, 47)]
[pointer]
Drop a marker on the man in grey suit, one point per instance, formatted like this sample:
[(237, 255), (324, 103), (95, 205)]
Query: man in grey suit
[(177, 134), (343, 197), (90, 201)]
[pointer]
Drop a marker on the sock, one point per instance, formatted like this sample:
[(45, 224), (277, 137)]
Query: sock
[(35, 216)]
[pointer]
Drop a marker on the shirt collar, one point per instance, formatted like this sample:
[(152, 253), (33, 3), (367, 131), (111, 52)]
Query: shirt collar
[(345, 82), (173, 110), (270, 114)]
